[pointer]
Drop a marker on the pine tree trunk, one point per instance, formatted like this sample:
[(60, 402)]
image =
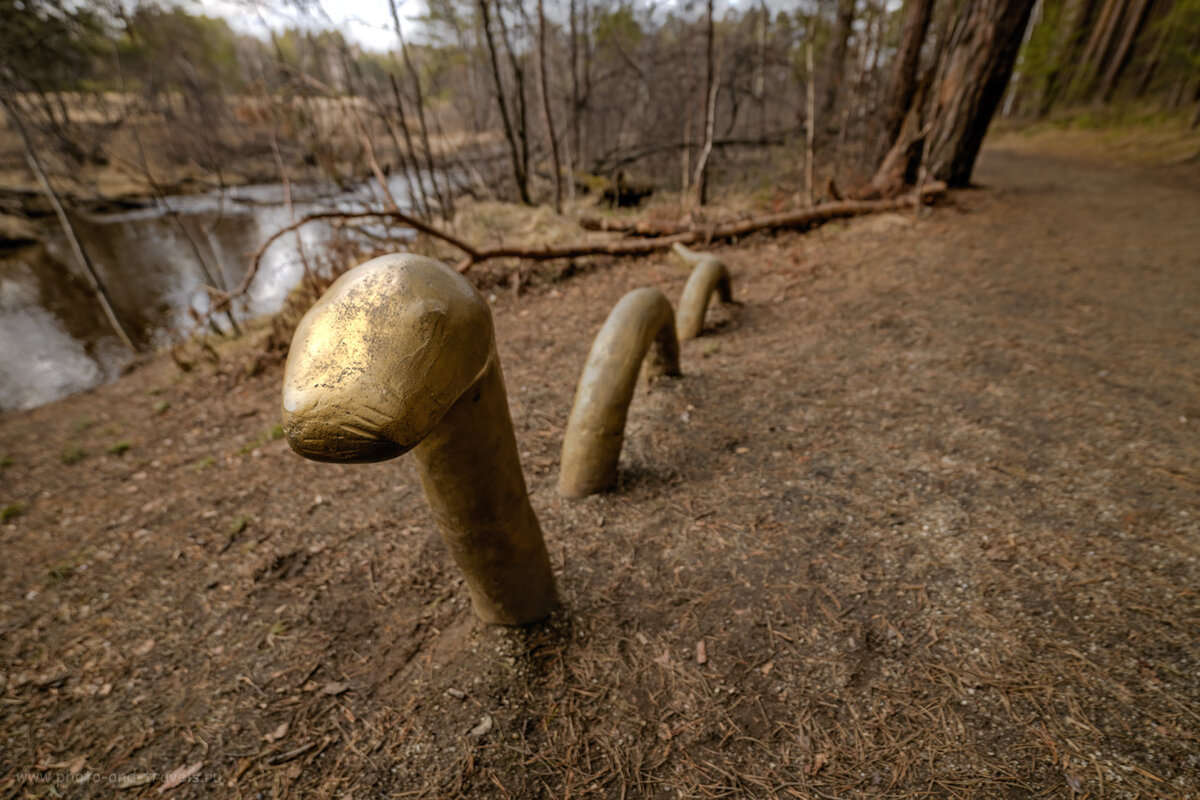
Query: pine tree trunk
[(1061, 73), (1120, 59), (903, 82), (982, 51), (1099, 46)]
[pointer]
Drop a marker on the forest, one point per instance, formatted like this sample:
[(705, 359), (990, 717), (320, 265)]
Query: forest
[(781, 400), (535, 103)]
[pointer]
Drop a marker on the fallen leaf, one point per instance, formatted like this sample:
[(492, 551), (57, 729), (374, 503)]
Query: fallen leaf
[(144, 648), (767, 667), (179, 776), (335, 689), (819, 760), (701, 652)]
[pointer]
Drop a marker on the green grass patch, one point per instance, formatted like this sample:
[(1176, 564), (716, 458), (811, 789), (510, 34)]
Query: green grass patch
[(239, 524), (6, 462), (118, 448), (161, 406), (273, 434), (63, 569), (72, 452), (205, 463), (11, 511)]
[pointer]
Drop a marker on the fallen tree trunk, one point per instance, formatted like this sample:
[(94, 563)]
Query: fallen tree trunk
[(799, 218)]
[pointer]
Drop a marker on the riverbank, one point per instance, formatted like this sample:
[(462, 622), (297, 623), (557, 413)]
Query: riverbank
[(918, 520)]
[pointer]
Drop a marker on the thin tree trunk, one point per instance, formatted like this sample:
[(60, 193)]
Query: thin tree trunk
[(576, 106), (710, 107), (710, 119), (521, 117), (1017, 81), (1061, 74), (558, 178), (903, 81), (412, 151), (444, 199), (1152, 61), (81, 258), (760, 72), (1120, 59), (1100, 43), (982, 51), (518, 167), (836, 65), (810, 128)]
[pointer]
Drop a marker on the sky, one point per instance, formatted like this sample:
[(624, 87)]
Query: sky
[(367, 22)]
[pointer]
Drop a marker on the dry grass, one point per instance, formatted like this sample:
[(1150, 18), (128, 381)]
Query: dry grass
[(918, 521)]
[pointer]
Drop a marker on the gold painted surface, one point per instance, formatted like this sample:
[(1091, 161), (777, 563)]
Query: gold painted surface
[(596, 427), (709, 275), (400, 354)]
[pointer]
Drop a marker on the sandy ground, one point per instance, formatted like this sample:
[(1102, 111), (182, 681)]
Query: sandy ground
[(920, 520)]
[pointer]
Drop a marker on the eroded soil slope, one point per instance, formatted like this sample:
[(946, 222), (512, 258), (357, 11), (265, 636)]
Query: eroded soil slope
[(921, 519)]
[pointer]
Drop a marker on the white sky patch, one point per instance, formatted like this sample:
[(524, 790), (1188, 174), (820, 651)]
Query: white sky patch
[(365, 22)]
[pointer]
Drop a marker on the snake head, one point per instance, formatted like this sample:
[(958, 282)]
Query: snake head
[(378, 361)]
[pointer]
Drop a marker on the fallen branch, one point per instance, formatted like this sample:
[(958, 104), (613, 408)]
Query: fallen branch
[(667, 235), (798, 218), (222, 300)]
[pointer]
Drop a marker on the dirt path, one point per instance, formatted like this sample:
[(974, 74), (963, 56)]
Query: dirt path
[(929, 498)]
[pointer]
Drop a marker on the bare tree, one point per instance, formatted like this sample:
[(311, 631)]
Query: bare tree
[(711, 85), (81, 258), (519, 164), (549, 117)]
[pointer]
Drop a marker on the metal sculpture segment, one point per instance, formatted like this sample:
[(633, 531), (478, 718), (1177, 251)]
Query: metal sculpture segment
[(398, 355), (709, 275), (596, 427)]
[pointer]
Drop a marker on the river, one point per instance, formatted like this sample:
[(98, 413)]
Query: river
[(54, 340)]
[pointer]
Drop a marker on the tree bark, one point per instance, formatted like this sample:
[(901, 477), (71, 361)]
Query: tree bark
[(1120, 59), (902, 84), (710, 109), (518, 166), (1099, 45), (982, 51), (1069, 48), (549, 118), (836, 66), (810, 128), (521, 115)]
